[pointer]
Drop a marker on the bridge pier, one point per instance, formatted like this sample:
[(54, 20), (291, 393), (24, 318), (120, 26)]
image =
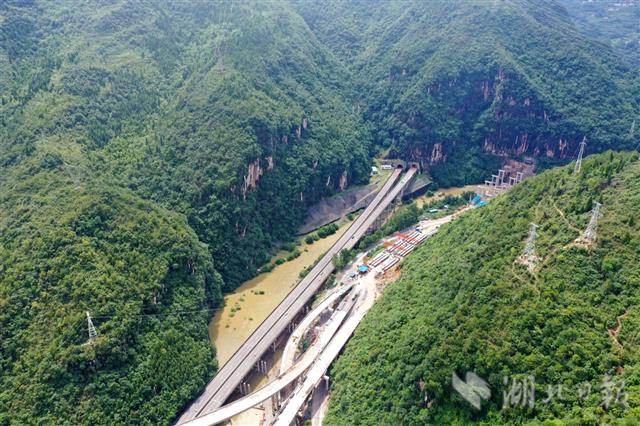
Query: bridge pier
[(262, 366), (244, 388), (271, 329), (275, 402)]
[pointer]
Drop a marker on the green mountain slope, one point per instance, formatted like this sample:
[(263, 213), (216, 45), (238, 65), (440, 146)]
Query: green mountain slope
[(151, 154), (189, 104), (464, 304), (446, 82), (615, 23), (141, 272)]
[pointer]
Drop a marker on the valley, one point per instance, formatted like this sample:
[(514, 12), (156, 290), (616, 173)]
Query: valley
[(181, 182), (259, 296)]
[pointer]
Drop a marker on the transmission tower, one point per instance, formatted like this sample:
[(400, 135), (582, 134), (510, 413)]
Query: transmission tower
[(590, 234), (93, 334), (528, 256), (578, 166)]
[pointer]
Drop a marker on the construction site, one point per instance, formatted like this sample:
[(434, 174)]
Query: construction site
[(279, 375)]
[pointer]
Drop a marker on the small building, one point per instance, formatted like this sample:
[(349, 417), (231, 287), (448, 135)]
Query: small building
[(476, 200), (387, 167), (433, 211), (374, 170), (363, 269)]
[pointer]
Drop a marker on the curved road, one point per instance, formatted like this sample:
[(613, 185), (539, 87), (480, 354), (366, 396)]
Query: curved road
[(308, 359), (289, 352), (243, 360)]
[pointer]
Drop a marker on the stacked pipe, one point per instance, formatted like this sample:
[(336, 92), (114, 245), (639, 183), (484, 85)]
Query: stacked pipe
[(379, 258)]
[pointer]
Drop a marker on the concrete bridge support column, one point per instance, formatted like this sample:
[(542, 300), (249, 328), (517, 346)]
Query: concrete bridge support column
[(244, 388)]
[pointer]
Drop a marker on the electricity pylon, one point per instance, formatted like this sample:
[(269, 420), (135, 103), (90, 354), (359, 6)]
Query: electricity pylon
[(578, 166), (590, 234), (93, 334), (528, 256)]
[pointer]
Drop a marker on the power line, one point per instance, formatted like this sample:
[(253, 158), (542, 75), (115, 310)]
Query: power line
[(195, 311)]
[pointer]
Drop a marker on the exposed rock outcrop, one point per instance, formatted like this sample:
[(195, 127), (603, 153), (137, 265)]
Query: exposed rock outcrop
[(254, 171), (250, 180), (343, 181), (437, 154)]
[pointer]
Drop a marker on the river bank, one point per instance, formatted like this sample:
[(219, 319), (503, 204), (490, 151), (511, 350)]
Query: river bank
[(254, 300)]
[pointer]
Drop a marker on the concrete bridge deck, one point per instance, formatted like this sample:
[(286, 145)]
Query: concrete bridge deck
[(298, 369), (240, 364), (290, 349)]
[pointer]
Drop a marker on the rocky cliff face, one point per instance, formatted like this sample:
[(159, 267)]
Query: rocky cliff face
[(507, 119), (462, 83), (334, 177)]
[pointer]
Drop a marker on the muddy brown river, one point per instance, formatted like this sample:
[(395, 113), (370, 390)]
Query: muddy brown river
[(255, 299)]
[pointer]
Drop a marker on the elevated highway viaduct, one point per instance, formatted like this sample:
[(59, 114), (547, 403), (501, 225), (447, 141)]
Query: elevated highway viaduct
[(241, 363)]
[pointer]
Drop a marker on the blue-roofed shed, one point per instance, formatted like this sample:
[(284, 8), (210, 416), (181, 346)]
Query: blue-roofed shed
[(477, 199), (363, 269)]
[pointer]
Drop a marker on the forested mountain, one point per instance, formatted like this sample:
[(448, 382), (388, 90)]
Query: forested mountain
[(189, 104), (445, 82), (463, 303), (148, 149), (153, 153), (617, 23)]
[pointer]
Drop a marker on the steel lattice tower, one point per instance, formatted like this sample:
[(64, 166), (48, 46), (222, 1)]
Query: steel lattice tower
[(528, 256), (93, 334), (590, 234)]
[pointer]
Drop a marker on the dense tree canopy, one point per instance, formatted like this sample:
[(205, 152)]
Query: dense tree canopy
[(612, 23), (446, 83), (139, 270), (463, 303), (152, 154)]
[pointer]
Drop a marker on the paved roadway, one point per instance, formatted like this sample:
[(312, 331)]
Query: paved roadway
[(367, 296), (308, 358), (388, 199), (365, 300), (290, 349), (240, 364)]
